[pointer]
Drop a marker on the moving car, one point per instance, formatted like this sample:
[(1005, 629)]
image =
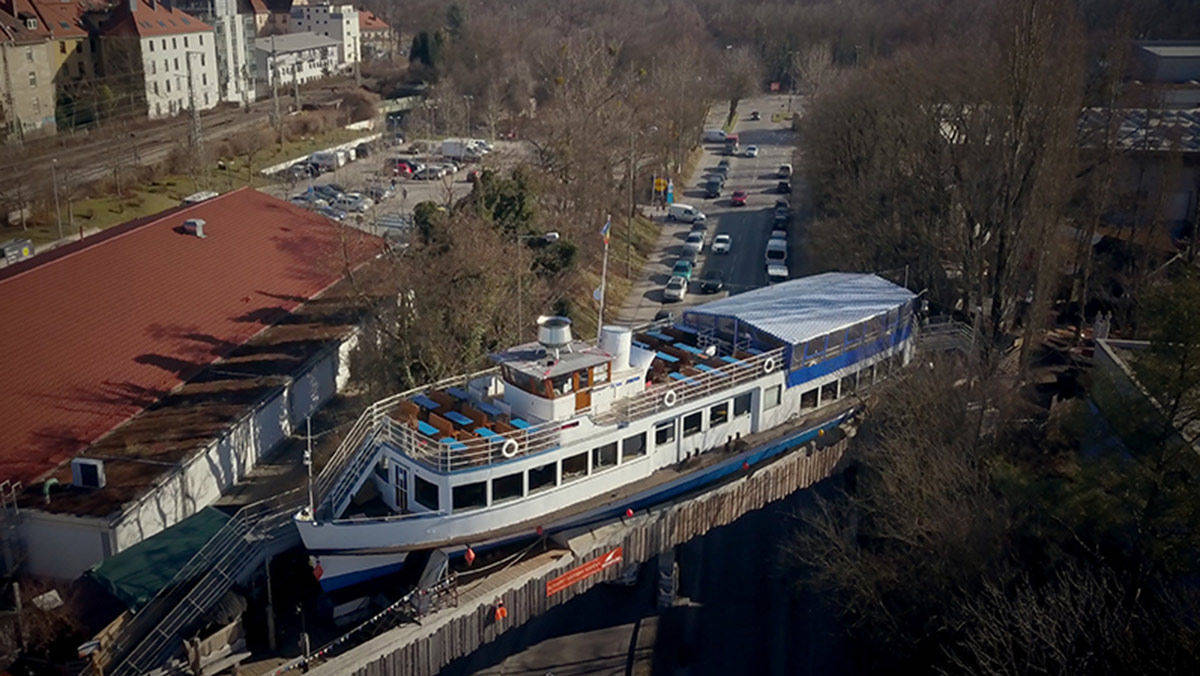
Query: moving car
[(676, 288), (738, 198), (712, 282), (751, 151), (694, 242), (722, 244), (783, 187), (685, 212), (777, 272), (683, 268)]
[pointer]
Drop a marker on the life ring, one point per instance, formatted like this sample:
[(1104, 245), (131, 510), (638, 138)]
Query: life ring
[(510, 448), (670, 398), (768, 365)]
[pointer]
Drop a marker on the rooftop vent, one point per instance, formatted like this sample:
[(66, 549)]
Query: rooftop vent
[(87, 473), (554, 333), (194, 226)]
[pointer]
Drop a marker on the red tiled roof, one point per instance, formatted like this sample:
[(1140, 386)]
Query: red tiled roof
[(367, 21), (152, 18), (97, 332), (61, 18)]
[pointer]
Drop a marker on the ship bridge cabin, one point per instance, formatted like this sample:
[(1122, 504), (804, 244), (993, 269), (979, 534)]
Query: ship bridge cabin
[(560, 411)]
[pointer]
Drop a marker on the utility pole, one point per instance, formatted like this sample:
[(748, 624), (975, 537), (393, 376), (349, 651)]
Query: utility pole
[(196, 136), (629, 227), (276, 119), (295, 87), (54, 180), (468, 98)]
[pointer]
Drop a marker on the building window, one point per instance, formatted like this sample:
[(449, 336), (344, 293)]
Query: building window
[(508, 487), (204, 79), (809, 399), (848, 385), (164, 43), (62, 48), (151, 43), (206, 99), (168, 83), (693, 424), (153, 70), (174, 44), (719, 414), (542, 478), (425, 493), (574, 467), (829, 391), (32, 79), (741, 405), (604, 456), (201, 60), (177, 63), (771, 397), (185, 44), (469, 496), (633, 446), (29, 54), (664, 433)]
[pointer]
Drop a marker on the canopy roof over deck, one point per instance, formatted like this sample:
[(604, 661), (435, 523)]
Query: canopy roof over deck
[(802, 309)]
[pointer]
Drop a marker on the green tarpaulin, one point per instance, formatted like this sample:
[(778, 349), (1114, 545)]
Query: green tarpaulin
[(136, 574)]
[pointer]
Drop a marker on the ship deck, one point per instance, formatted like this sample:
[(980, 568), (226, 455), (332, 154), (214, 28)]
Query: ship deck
[(658, 478)]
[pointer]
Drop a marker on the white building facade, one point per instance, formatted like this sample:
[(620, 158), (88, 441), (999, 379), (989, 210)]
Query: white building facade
[(234, 34), (336, 21), (293, 59)]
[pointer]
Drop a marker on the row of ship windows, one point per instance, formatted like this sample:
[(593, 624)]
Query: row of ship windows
[(513, 486), (835, 342)]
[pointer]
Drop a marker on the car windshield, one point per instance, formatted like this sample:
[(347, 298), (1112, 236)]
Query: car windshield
[(695, 237), (682, 266), (775, 255), (721, 239)]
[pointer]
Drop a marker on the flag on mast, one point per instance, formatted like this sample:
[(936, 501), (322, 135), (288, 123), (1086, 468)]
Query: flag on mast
[(605, 229)]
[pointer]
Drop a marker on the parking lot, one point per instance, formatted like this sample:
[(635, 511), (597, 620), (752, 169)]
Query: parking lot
[(359, 175), (749, 227)]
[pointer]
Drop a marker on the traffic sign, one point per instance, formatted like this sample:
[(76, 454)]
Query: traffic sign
[(660, 184)]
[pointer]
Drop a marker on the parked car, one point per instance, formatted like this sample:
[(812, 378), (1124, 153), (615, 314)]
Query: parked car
[(785, 171), (722, 244), (362, 150), (664, 314), (428, 174), (712, 188), (782, 216), (450, 168), (776, 251), (354, 202), (329, 192), (685, 212), (676, 288), (714, 136), (779, 233), (782, 203), (783, 187), (755, 116), (723, 163), (378, 193), (694, 242), (332, 212), (712, 282), (777, 272), (738, 198), (308, 201), (721, 170), (751, 151), (683, 268)]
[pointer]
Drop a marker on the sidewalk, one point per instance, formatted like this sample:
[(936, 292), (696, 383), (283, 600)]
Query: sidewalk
[(639, 305)]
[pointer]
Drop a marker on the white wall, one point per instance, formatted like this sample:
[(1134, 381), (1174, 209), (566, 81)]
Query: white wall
[(165, 68), (64, 546)]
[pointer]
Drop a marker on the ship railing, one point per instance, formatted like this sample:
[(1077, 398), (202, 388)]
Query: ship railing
[(669, 395), (334, 480), (474, 452)]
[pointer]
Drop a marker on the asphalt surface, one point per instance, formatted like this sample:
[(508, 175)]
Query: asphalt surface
[(744, 267)]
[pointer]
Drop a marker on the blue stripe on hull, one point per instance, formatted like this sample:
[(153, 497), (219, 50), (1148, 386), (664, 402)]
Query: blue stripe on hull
[(346, 579)]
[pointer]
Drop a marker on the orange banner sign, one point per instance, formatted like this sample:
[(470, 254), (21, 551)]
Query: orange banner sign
[(583, 571)]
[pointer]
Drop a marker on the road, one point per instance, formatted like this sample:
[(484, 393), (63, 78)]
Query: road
[(744, 267)]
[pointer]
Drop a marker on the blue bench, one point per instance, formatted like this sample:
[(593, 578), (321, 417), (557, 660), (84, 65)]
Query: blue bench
[(642, 345), (688, 348), (487, 434), (488, 409), (754, 350), (708, 369), (458, 393), (666, 357), (425, 402), (730, 360), (682, 378), (458, 418), (454, 444), (661, 336), (426, 429), (519, 423)]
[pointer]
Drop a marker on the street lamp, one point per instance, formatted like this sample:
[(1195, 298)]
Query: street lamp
[(551, 236), (54, 180)]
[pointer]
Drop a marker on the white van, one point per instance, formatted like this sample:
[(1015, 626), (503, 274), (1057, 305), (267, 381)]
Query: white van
[(714, 136), (686, 213), (327, 161), (776, 252)]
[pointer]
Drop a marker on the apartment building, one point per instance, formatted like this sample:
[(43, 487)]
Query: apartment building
[(336, 21), (174, 52), (378, 38), (294, 59), (26, 75), (234, 28)]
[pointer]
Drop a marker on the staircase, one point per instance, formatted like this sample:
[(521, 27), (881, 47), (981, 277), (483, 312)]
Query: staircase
[(231, 556)]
